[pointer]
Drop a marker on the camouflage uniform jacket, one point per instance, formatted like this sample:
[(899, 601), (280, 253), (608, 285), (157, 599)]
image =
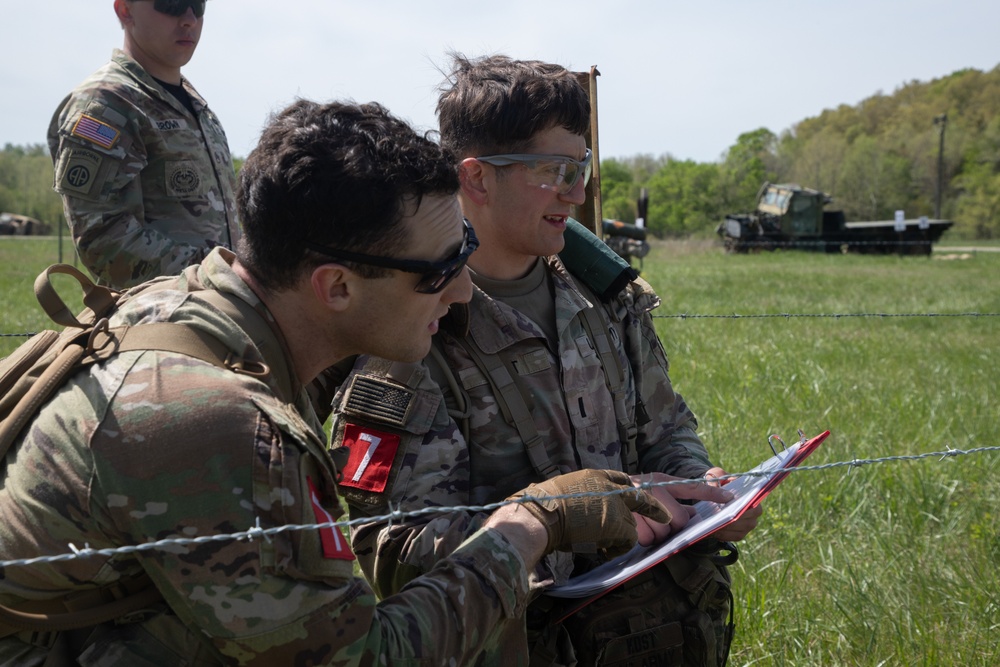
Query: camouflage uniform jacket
[(147, 188), (425, 460), (154, 445)]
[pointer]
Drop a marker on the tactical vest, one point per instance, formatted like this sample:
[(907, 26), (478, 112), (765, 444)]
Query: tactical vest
[(680, 613), (514, 403)]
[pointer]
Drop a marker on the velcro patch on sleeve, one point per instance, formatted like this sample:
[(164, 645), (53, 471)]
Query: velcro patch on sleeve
[(372, 454), (379, 399), (334, 543), (95, 131)]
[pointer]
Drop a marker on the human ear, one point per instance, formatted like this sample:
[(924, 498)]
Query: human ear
[(333, 286), (473, 179), (122, 11)]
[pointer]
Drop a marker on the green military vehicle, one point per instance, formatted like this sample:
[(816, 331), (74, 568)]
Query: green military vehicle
[(12, 224), (791, 216)]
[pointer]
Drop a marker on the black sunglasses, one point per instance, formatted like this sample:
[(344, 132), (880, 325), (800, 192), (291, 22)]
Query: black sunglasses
[(178, 7), (436, 275)]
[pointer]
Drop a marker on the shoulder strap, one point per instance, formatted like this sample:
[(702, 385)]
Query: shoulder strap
[(502, 377), (596, 322), (264, 336), (57, 616), (87, 340), (441, 372), (99, 343)]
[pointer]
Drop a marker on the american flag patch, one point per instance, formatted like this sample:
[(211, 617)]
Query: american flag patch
[(94, 130)]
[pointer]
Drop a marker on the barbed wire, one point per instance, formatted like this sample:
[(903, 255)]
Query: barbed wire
[(257, 532), (832, 243), (737, 316)]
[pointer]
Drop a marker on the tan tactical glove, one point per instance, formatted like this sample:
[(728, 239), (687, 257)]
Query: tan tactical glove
[(591, 523)]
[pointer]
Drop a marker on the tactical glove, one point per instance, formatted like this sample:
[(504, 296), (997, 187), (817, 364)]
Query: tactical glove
[(591, 523)]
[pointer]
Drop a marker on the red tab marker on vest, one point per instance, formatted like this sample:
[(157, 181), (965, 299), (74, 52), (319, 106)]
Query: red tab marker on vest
[(372, 454), (334, 543)]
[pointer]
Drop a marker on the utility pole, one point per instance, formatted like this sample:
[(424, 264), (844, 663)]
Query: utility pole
[(941, 120)]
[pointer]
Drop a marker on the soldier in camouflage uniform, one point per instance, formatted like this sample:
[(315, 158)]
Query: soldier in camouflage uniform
[(141, 162), (533, 378), (151, 445)]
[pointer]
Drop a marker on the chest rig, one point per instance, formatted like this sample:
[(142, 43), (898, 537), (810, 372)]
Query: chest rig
[(514, 401)]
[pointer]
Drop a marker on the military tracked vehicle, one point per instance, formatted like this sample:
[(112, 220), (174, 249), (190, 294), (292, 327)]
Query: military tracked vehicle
[(12, 224), (791, 216)]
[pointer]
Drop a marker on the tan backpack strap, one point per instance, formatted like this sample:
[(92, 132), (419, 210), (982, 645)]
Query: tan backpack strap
[(265, 338), (98, 298), (81, 610), (100, 344), (170, 337), (51, 379)]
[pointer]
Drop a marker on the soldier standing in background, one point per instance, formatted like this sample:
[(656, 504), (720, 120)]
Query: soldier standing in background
[(141, 162), (534, 377)]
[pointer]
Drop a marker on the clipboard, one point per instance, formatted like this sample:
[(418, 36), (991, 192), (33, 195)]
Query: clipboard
[(750, 490)]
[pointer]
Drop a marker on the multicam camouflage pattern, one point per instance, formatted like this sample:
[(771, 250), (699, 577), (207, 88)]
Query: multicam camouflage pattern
[(571, 406), (154, 445), (147, 188)]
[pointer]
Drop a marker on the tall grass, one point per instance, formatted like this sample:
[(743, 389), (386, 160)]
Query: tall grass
[(21, 260), (887, 564)]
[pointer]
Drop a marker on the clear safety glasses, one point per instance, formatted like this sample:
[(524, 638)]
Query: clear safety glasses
[(552, 172)]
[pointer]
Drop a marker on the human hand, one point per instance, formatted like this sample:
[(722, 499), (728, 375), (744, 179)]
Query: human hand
[(737, 530), (595, 520), (653, 532)]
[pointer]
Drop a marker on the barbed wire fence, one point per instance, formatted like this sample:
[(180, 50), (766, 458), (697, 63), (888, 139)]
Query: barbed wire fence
[(257, 532), (738, 316)]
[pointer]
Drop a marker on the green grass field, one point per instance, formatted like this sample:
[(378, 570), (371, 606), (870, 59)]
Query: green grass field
[(887, 564), (884, 564)]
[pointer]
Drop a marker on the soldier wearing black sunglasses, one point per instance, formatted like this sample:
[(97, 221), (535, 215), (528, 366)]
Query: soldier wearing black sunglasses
[(178, 7), (538, 374), (142, 163)]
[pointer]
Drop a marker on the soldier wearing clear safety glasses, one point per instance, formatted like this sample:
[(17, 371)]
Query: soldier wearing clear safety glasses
[(536, 376), (141, 162)]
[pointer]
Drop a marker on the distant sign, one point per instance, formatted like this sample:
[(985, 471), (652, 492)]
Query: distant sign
[(900, 225)]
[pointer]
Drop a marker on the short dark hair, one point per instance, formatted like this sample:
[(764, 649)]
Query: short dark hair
[(495, 104), (339, 174)]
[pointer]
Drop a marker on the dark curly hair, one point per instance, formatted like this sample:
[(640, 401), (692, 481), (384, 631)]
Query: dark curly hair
[(496, 104), (339, 174)]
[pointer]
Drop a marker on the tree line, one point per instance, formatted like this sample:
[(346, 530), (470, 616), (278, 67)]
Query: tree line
[(873, 158)]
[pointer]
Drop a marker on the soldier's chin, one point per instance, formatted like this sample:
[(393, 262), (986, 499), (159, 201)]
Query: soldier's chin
[(411, 354)]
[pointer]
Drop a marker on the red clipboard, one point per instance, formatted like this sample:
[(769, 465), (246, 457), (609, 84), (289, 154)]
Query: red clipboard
[(751, 491)]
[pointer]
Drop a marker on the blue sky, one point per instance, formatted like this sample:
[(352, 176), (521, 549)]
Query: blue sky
[(680, 78)]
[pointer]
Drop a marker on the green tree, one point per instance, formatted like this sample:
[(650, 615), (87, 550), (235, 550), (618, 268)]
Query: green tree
[(874, 182), (978, 206), (617, 186), (749, 163), (684, 199)]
